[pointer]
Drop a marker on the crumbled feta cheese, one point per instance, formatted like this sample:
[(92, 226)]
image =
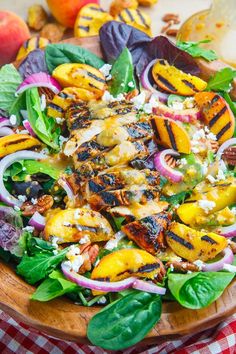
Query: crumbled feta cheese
[(107, 97), (131, 84), (60, 120), (233, 210), (230, 268), (102, 300), (189, 272), (34, 201), (13, 119), (183, 161), (204, 168), (84, 240), (211, 179), (22, 131), (54, 241), (23, 168), (198, 263), (22, 198), (55, 252), (16, 208), (189, 102), (105, 70), (43, 102), (195, 150), (171, 268), (177, 105), (199, 134), (113, 243), (211, 136), (153, 102), (73, 251), (139, 100), (62, 140), (75, 264), (206, 205), (28, 228), (220, 175), (206, 129)]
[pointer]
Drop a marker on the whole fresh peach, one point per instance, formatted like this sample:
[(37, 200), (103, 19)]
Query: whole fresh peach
[(13, 32), (65, 11)]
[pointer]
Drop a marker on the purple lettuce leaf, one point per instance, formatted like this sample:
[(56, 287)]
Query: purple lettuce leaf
[(34, 63), (115, 36)]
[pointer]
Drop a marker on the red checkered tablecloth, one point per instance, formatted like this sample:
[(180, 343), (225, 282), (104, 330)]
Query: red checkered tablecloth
[(17, 338)]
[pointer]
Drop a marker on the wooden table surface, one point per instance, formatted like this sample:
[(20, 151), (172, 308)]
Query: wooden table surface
[(184, 8)]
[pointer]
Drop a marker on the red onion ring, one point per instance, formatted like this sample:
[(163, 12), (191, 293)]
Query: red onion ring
[(228, 258), (39, 80), (4, 122), (164, 169), (148, 287), (4, 131), (37, 221), (228, 231), (6, 162), (28, 127), (95, 284), (224, 146), (145, 81), (65, 185)]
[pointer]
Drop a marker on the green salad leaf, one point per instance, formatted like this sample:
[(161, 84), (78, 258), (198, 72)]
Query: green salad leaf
[(10, 79), (198, 290), (222, 80), (37, 267), (122, 73), (194, 49), (36, 245), (176, 199), (54, 286), (126, 321), (61, 53), (43, 126), (18, 105)]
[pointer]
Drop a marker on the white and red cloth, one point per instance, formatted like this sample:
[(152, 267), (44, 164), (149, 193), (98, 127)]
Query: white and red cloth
[(19, 339)]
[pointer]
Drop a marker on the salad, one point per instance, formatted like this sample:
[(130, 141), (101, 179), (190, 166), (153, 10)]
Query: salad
[(118, 179)]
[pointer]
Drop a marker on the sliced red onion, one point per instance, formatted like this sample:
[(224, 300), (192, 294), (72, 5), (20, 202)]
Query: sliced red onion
[(7, 161), (4, 131), (4, 122), (37, 221), (185, 115), (67, 188), (225, 146), (95, 284), (228, 258), (149, 84), (228, 231), (148, 287), (39, 80), (164, 169), (28, 127)]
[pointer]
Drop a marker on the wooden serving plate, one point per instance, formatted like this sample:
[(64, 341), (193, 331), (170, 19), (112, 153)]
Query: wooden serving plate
[(62, 319)]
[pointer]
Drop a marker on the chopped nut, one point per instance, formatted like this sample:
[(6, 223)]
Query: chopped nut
[(37, 17), (172, 32), (131, 94), (118, 5), (43, 204), (183, 267), (90, 253), (166, 27), (49, 94), (232, 245), (53, 31), (229, 155), (171, 161), (174, 18), (214, 145)]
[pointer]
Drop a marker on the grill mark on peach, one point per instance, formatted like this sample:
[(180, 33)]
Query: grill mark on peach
[(130, 15), (95, 77), (170, 133), (217, 116), (22, 140), (56, 107), (166, 83), (223, 130), (142, 18), (154, 127), (208, 239), (84, 28), (180, 240), (190, 84)]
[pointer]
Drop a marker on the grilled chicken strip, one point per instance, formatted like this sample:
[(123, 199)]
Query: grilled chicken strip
[(148, 232)]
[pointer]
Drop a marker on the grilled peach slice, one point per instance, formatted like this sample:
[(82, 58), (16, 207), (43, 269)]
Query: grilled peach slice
[(216, 114), (118, 5), (81, 75), (89, 20), (171, 134), (16, 142), (172, 80), (221, 194), (192, 245), (124, 263), (61, 102), (31, 44), (71, 225), (135, 18)]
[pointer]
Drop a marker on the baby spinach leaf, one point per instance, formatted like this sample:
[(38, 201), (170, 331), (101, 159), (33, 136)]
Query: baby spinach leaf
[(61, 53), (122, 73), (54, 286), (198, 290), (36, 245), (126, 321), (18, 105), (222, 80), (39, 266), (194, 49), (43, 126), (10, 79)]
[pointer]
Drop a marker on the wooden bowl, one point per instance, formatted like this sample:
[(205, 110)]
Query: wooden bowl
[(62, 319)]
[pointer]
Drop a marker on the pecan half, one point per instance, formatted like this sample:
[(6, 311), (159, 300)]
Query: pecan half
[(41, 205), (229, 155), (131, 94), (171, 161), (183, 267), (171, 17), (90, 253), (172, 32)]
